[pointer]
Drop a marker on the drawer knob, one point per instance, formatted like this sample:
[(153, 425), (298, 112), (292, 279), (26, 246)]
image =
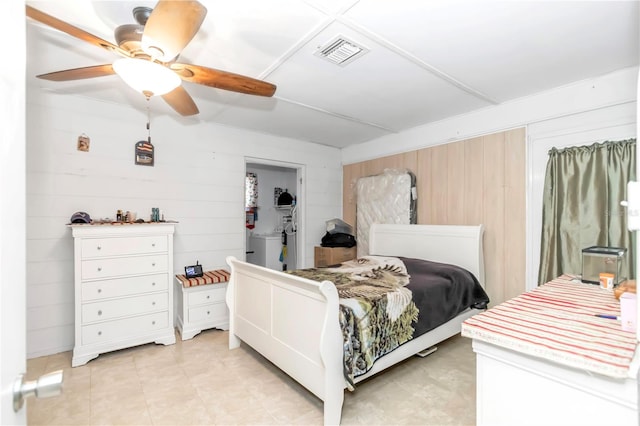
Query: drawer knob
[(153, 303), (99, 333), (99, 312), (208, 296), (99, 290), (153, 264), (153, 244), (99, 248), (208, 312), (153, 323), (99, 269), (153, 284)]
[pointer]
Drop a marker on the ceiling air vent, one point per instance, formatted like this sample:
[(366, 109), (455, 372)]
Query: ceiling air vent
[(341, 51)]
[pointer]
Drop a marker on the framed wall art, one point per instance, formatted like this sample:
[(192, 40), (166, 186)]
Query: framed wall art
[(83, 143)]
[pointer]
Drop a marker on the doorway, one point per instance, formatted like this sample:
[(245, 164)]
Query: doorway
[(274, 200)]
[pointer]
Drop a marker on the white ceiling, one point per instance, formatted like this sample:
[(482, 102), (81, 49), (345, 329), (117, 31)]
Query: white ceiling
[(427, 59)]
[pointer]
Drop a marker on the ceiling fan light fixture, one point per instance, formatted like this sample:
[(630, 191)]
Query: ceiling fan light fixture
[(156, 53), (146, 77)]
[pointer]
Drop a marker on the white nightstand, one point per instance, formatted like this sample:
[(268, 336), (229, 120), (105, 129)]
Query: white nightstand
[(200, 307)]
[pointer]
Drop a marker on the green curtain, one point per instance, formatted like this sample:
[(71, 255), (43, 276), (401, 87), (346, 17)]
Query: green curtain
[(583, 189)]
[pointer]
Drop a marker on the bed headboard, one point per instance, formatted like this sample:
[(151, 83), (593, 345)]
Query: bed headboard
[(457, 245)]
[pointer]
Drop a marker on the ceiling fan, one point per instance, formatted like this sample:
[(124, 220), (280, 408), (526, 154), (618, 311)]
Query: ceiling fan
[(153, 46)]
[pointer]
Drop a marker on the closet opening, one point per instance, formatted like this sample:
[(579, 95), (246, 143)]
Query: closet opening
[(273, 205)]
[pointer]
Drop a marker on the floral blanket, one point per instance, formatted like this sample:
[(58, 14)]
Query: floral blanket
[(387, 301)]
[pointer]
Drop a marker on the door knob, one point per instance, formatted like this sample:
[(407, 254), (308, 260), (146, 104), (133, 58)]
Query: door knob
[(46, 386)]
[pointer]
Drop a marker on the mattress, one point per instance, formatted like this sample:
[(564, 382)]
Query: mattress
[(389, 197)]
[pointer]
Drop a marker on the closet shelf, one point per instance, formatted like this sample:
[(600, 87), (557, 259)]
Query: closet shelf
[(283, 207)]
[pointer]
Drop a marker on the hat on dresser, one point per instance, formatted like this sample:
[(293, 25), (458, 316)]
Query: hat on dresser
[(80, 217)]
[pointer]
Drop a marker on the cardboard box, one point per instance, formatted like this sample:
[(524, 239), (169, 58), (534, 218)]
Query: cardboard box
[(606, 280), (329, 256)]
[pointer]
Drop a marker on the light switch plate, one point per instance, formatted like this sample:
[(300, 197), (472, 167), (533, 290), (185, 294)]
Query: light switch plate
[(633, 206)]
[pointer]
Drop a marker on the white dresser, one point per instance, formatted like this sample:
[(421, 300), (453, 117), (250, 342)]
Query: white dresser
[(123, 287), (517, 389), (545, 358)]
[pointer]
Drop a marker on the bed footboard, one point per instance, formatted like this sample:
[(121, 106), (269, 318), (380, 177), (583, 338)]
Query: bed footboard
[(293, 322)]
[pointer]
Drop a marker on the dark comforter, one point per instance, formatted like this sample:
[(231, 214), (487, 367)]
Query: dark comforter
[(387, 301)]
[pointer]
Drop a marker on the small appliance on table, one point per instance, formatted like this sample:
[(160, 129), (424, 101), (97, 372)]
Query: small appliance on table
[(598, 260)]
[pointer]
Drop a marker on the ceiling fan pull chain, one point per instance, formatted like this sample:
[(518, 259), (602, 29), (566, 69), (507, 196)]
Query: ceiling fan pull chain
[(148, 122)]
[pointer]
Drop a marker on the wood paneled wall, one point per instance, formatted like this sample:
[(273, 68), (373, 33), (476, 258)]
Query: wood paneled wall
[(470, 182)]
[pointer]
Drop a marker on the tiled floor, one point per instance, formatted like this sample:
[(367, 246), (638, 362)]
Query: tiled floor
[(200, 381)]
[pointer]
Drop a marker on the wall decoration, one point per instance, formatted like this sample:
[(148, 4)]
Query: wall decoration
[(83, 143), (144, 153)]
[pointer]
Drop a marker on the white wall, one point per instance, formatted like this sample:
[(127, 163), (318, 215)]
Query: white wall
[(198, 180), (596, 109)]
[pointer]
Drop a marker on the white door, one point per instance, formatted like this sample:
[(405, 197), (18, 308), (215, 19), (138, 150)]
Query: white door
[(12, 208)]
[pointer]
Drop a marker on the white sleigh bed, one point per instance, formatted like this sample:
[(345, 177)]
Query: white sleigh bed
[(293, 321)]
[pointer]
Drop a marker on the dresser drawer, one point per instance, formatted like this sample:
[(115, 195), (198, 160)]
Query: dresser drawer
[(123, 246), (122, 329), (116, 308), (118, 287), (216, 311), (114, 267), (213, 293)]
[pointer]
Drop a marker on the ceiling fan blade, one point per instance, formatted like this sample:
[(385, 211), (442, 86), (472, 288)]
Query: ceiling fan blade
[(170, 27), (181, 101), (79, 73), (223, 79), (72, 30)]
